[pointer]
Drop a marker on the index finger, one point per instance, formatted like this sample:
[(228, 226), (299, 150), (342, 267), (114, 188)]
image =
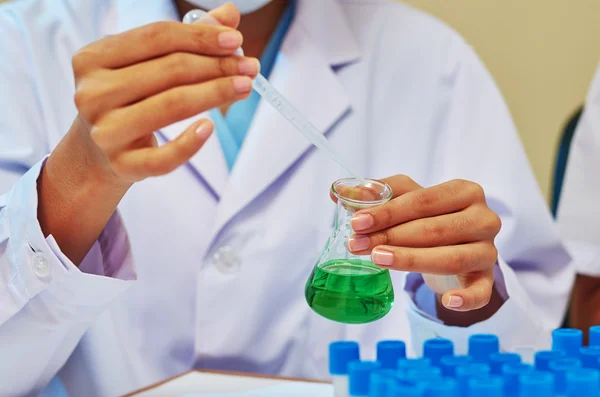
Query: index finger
[(401, 184), (158, 39), (420, 203)]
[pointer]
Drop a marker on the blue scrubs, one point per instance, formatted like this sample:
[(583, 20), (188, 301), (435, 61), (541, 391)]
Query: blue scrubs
[(231, 129)]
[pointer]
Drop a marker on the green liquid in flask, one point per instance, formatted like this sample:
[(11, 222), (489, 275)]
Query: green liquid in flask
[(351, 291)]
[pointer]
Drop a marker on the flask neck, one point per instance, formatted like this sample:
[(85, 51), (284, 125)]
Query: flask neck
[(352, 196)]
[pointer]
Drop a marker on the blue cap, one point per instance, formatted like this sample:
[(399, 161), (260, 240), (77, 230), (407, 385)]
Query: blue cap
[(589, 356), (389, 352), (405, 388), (568, 340), (488, 386), (406, 364), (449, 364), (543, 358), (511, 374), (340, 354), (559, 368), (359, 373), (583, 382), (442, 387), (497, 361), (594, 335), (380, 381), (469, 371), (435, 349), (536, 383), (423, 375), (481, 346)]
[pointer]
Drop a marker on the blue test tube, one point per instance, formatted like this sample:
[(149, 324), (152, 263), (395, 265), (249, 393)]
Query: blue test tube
[(594, 336), (466, 372), (488, 386), (497, 361), (359, 373), (536, 384), (405, 365), (389, 352), (560, 368), (511, 374), (589, 356), (380, 381), (443, 387), (449, 364), (435, 349), (481, 346), (543, 357), (568, 340), (405, 388), (341, 353), (583, 382)]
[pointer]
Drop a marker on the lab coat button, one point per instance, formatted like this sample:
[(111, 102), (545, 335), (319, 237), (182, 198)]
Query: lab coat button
[(40, 265), (227, 260)]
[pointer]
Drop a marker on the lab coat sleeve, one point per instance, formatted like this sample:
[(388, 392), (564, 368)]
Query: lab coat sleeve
[(477, 141), (579, 210), (46, 302)]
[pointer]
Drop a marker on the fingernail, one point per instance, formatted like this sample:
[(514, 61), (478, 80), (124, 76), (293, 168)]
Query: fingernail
[(454, 302), (242, 84), (204, 130), (249, 66), (230, 40), (358, 243), (361, 222), (382, 258)]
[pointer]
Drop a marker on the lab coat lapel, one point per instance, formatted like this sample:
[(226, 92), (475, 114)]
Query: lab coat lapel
[(303, 74)]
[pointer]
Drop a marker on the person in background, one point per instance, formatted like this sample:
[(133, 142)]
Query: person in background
[(579, 213), (129, 255)]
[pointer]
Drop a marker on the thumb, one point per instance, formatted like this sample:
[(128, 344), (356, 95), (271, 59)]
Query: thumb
[(475, 295), (227, 15)]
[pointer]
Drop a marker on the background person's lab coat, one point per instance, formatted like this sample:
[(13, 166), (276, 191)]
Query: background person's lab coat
[(579, 210), (221, 259)]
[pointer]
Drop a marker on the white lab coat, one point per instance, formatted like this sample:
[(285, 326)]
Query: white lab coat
[(579, 211), (221, 259)]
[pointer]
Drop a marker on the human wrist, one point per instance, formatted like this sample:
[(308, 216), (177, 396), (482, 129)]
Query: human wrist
[(77, 194), (78, 172)]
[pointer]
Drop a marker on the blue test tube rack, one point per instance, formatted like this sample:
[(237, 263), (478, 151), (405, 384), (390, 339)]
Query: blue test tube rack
[(569, 369)]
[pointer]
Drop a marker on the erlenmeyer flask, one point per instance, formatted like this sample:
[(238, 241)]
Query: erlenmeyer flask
[(344, 287)]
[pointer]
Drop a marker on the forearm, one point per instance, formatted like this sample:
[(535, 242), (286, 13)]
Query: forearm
[(585, 304), (76, 194)]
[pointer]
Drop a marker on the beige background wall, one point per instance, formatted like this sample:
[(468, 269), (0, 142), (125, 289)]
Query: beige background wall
[(542, 53)]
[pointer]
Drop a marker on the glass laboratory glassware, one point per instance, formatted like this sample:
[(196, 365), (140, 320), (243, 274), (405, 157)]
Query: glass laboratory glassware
[(344, 287)]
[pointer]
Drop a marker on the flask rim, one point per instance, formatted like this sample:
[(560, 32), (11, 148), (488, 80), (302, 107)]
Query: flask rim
[(385, 191)]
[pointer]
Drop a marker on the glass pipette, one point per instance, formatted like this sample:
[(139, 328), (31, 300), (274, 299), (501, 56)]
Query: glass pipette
[(262, 86)]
